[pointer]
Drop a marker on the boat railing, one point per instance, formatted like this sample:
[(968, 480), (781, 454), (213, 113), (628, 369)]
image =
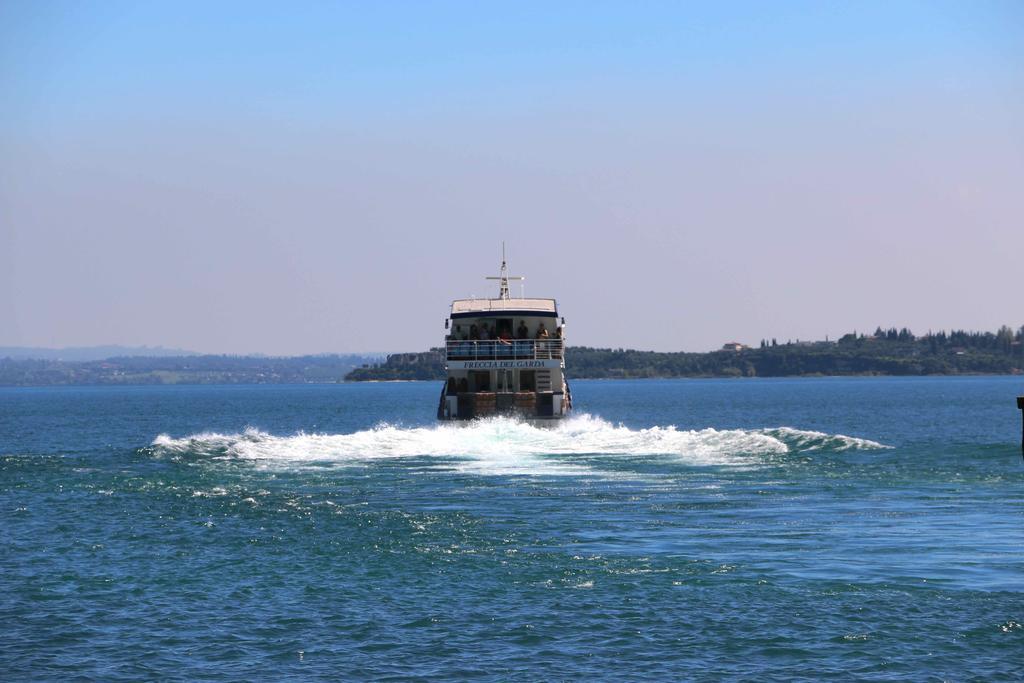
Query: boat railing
[(500, 349)]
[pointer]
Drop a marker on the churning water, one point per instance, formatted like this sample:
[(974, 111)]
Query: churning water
[(851, 528)]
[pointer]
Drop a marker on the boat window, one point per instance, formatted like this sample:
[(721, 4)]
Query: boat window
[(527, 380), (481, 380)]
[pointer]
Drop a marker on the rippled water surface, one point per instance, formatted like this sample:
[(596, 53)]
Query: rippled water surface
[(809, 528)]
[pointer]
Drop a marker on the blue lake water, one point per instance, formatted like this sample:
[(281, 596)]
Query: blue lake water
[(867, 528)]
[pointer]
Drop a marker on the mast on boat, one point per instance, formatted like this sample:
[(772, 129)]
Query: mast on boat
[(503, 277)]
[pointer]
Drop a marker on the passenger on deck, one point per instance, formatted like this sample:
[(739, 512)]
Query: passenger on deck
[(542, 333), (504, 343), (522, 332), (474, 334), (484, 333), (463, 385)]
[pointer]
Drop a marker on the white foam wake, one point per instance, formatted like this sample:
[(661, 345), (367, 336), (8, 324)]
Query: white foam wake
[(505, 446), (806, 440)]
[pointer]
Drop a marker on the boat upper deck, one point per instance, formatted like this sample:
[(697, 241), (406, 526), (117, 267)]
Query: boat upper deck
[(475, 308), (516, 349)]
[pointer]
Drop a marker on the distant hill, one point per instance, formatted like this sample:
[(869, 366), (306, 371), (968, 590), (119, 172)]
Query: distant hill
[(88, 353), (426, 365), (886, 352), (193, 369)]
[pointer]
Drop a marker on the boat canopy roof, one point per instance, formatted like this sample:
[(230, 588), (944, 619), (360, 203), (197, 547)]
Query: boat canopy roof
[(472, 307)]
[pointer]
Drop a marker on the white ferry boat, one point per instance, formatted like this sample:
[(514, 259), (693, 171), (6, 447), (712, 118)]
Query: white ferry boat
[(505, 356)]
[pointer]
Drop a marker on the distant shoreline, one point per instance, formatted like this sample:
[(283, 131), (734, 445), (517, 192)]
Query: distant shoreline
[(892, 353), (884, 354), (114, 385)]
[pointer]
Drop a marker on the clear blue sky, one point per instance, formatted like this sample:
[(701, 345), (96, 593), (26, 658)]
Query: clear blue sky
[(247, 177)]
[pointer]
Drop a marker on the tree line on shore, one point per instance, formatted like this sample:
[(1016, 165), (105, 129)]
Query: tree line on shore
[(885, 352), (889, 351)]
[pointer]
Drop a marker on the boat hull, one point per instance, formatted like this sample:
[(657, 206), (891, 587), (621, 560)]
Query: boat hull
[(521, 405)]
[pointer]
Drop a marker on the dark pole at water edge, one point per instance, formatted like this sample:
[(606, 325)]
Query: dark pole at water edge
[(1020, 405)]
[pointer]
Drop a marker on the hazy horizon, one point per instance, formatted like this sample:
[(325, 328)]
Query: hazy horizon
[(250, 178)]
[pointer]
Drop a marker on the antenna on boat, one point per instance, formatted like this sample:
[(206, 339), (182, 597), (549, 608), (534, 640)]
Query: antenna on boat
[(504, 277)]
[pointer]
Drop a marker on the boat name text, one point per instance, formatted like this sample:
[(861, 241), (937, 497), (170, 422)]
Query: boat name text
[(504, 364)]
